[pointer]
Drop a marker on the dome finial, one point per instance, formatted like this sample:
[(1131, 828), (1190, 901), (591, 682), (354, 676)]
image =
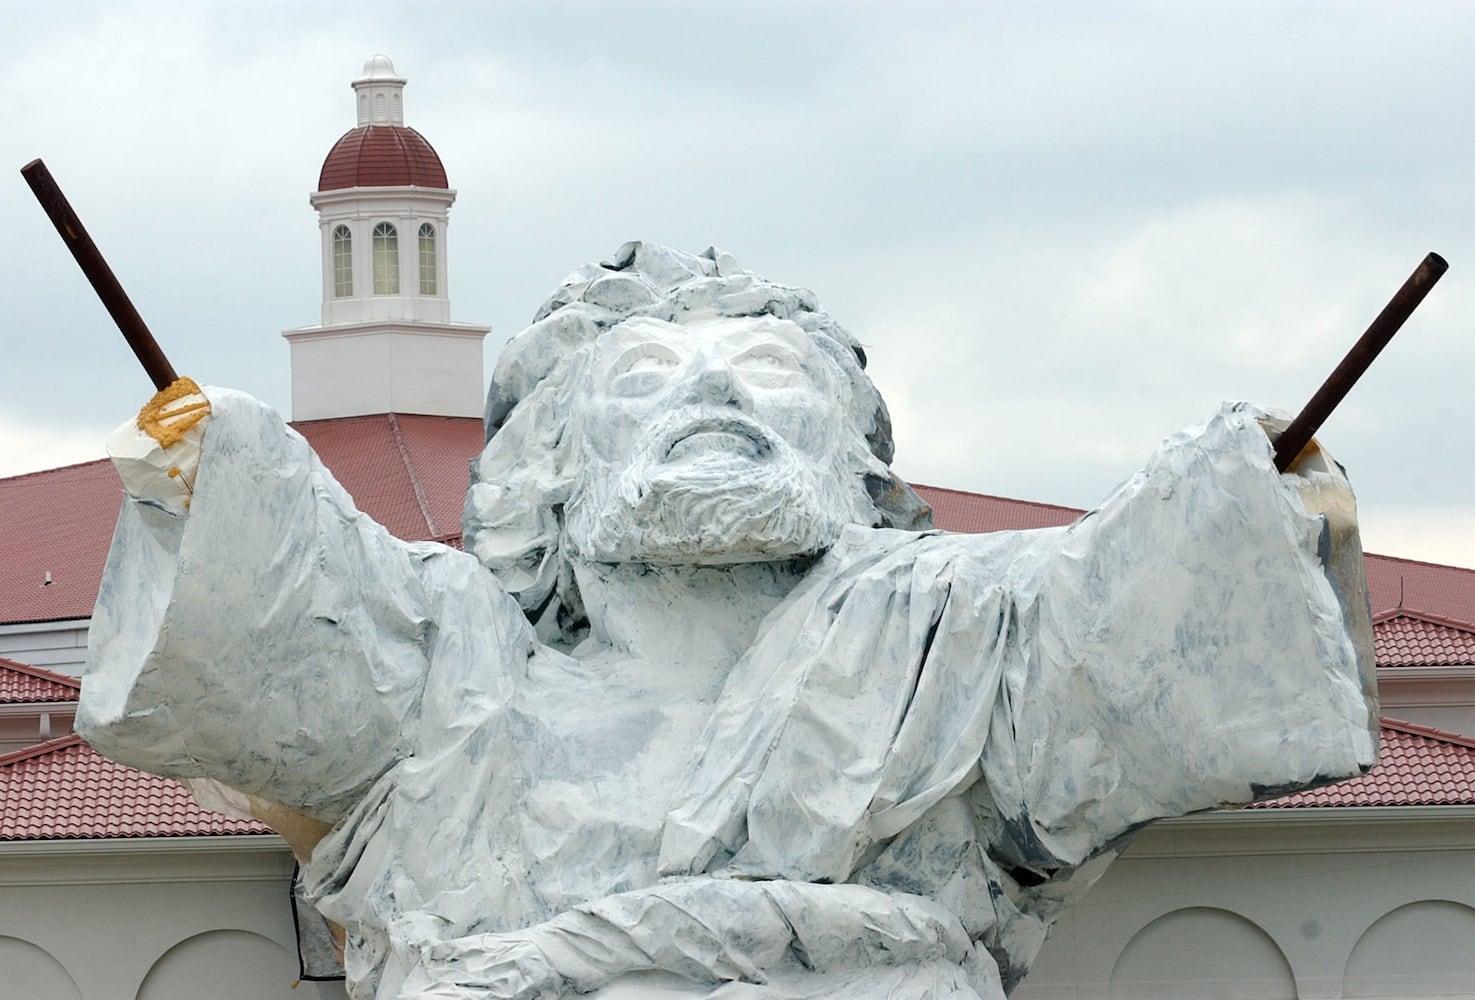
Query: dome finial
[(379, 67), (379, 93)]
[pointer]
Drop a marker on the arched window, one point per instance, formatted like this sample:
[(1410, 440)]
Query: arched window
[(342, 262), (386, 259), (428, 283)]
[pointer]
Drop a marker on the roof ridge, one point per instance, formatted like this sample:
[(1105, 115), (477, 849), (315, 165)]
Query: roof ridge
[(993, 496), (366, 417), (53, 470), (421, 499), (69, 791), (1383, 617), (66, 680), (399, 140), (41, 749), (1417, 562), (1428, 732)]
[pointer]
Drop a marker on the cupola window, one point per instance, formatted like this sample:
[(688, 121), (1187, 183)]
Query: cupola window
[(342, 262), (386, 259), (428, 276)]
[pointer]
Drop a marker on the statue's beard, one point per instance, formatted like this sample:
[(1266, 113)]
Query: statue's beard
[(745, 502)]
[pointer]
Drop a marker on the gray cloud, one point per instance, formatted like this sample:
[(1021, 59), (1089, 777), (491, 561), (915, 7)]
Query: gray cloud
[(1062, 230)]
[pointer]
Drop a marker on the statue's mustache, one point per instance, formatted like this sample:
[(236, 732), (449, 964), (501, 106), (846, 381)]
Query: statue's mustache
[(682, 431)]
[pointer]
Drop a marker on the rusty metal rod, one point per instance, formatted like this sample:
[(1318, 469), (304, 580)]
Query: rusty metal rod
[(114, 299), (1289, 445)]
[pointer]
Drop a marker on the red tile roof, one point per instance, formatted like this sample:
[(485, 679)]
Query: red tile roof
[(1409, 639), (1417, 766), (976, 513), (406, 471), (409, 473), (1443, 592), (23, 684), (382, 156), (57, 522), (1446, 592), (64, 790)]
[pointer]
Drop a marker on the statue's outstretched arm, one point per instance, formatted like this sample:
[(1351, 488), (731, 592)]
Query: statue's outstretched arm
[(252, 626), (1201, 639)]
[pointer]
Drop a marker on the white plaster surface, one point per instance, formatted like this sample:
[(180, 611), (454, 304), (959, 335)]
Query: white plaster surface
[(172, 918), (1358, 902), (715, 725), (386, 367)]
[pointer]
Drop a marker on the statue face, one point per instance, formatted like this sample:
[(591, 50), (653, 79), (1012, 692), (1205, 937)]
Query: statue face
[(717, 440), (713, 391)]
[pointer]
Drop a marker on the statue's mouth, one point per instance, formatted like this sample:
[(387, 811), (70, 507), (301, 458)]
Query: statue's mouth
[(718, 435)]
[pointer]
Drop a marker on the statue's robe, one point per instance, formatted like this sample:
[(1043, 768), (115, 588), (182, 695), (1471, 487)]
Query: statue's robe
[(934, 745)]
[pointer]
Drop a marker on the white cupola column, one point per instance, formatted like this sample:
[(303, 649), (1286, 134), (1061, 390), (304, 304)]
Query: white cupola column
[(386, 341), (380, 93)]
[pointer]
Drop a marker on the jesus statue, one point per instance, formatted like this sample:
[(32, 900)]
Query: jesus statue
[(705, 709)]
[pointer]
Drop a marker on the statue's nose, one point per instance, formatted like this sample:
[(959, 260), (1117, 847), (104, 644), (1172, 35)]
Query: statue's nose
[(716, 383)]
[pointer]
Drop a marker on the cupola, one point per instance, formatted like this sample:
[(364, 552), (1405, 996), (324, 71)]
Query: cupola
[(386, 342)]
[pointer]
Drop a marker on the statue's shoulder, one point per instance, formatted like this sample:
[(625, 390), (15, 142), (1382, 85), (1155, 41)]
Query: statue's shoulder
[(860, 544), (887, 559), (861, 538), (861, 553), (858, 548)]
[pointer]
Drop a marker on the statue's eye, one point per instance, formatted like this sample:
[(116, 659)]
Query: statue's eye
[(768, 364), (650, 363), (767, 359), (643, 368)]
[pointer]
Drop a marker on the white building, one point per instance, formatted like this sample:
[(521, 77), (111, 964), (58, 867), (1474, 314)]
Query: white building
[(114, 884), (386, 343)]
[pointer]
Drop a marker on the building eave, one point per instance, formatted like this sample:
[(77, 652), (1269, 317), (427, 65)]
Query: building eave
[(23, 709), (144, 845), (145, 860), (1330, 830), (1448, 673), (337, 196), (377, 327)]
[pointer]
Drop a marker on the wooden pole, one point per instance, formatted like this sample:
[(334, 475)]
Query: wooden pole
[(114, 299), (1294, 439)]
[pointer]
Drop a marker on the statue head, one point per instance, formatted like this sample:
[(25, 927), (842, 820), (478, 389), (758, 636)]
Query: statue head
[(665, 408)]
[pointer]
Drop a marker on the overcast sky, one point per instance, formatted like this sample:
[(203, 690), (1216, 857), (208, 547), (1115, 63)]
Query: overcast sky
[(1061, 230)]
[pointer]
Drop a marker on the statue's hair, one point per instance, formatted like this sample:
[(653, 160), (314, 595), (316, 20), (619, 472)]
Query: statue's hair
[(513, 520)]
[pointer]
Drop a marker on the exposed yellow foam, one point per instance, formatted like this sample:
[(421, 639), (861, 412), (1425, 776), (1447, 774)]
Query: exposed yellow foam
[(167, 425)]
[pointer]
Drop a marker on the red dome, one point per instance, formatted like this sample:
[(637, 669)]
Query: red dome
[(382, 156)]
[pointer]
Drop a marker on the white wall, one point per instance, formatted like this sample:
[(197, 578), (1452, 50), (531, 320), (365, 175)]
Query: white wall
[(1442, 697), (22, 726), (59, 646), (1253, 906), (160, 919), (1250, 906), (387, 368)]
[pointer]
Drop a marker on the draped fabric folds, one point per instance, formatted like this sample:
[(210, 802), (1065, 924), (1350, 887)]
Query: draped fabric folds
[(934, 745)]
